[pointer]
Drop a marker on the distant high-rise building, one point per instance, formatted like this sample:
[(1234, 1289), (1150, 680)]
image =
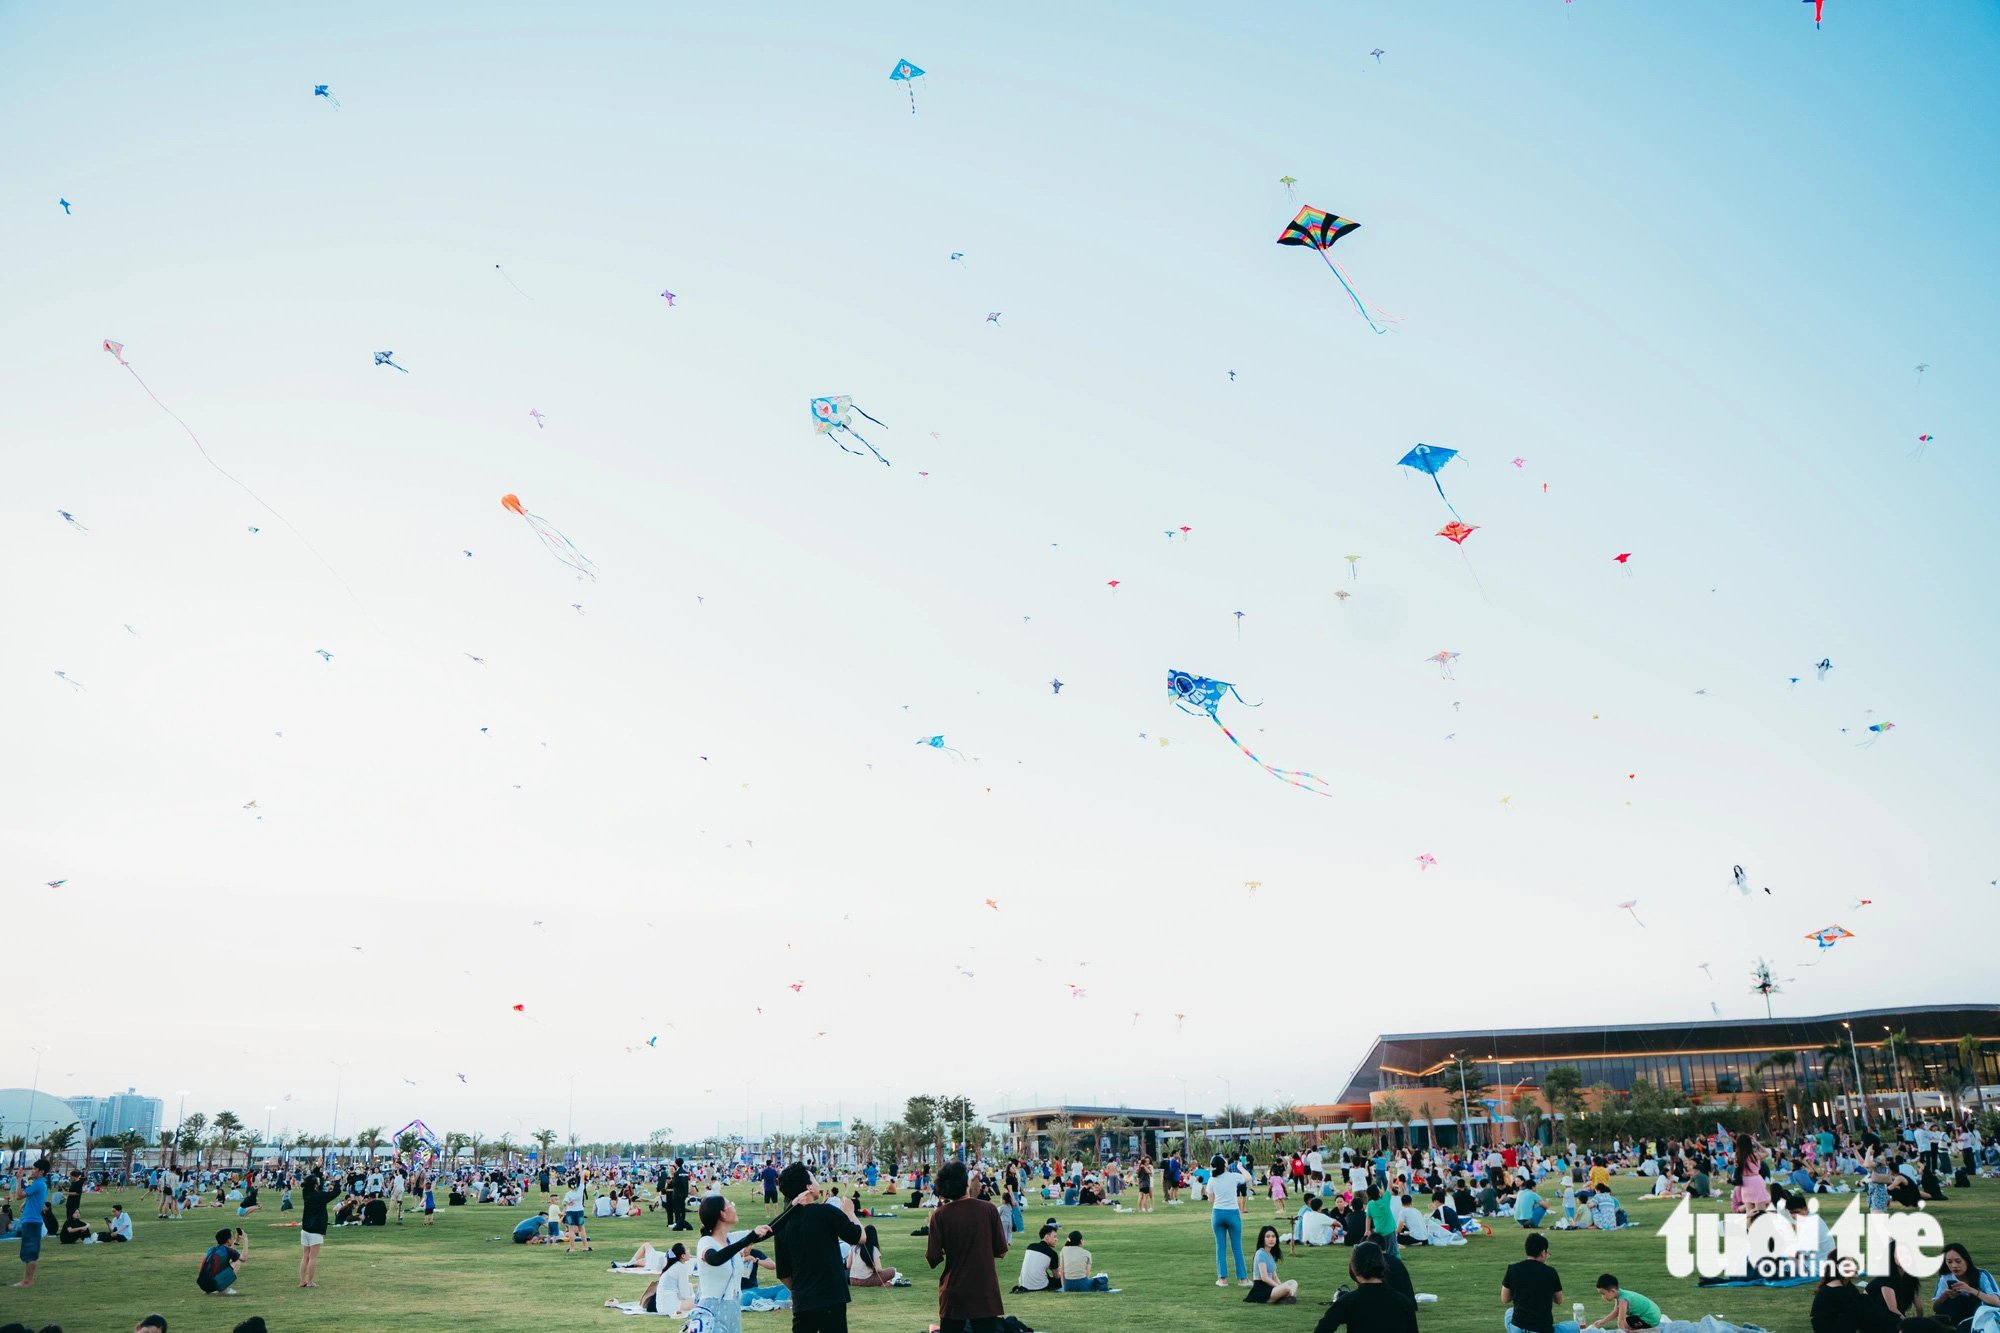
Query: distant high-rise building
[(118, 1113)]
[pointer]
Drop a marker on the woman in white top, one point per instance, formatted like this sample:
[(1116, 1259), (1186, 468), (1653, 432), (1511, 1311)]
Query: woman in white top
[(864, 1262), (715, 1253), (1226, 1188)]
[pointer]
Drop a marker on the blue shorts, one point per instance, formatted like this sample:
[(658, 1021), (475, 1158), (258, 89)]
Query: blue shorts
[(31, 1242), (573, 1218)]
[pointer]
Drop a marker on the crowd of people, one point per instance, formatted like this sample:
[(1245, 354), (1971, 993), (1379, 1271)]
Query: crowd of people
[(819, 1239)]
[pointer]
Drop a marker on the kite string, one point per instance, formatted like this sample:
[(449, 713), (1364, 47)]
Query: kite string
[(1290, 776), (1352, 295), (203, 450)]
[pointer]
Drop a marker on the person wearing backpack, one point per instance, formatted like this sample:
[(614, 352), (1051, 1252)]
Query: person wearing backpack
[(217, 1276)]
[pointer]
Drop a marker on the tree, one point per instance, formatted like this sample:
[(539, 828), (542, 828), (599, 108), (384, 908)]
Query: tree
[(1390, 1107), (1286, 1117), (1968, 1067), (223, 1131), (504, 1145), (1527, 1113), (165, 1144), (368, 1140), (862, 1135), (1061, 1134), (545, 1139), (1234, 1116), (1563, 1086), (190, 1134), (407, 1144), (59, 1140)]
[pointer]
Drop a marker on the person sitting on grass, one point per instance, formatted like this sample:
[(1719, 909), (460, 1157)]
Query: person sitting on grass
[(536, 1229), (217, 1275), (1529, 1210), (864, 1263), (1265, 1286), (1312, 1226), (73, 1232), (1038, 1262), (1604, 1210), (117, 1227), (1373, 1306), (1629, 1310), (1075, 1261)]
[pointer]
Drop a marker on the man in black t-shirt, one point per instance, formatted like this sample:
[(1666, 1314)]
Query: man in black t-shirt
[(808, 1235), (677, 1198), (1534, 1289)]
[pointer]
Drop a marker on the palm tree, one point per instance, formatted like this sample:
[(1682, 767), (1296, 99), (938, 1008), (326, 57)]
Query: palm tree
[(190, 1135), (545, 1139), (368, 1140), (165, 1144), (14, 1144), (504, 1146), (1390, 1107), (223, 1130), (59, 1140), (1527, 1112), (1968, 1064), (1287, 1117), (1061, 1133)]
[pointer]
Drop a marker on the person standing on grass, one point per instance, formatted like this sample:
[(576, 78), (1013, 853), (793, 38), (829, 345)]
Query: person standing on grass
[(33, 1191), (1226, 1189), (967, 1237), (808, 1234), (314, 1198), (721, 1281)]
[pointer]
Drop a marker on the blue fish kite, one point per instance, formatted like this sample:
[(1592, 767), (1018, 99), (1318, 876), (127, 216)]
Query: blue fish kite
[(1430, 458), (937, 743), (1198, 696), (383, 359), (65, 207), (905, 72), (320, 90)]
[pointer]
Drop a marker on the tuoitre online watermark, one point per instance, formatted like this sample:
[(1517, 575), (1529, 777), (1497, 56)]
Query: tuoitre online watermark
[(1771, 1245)]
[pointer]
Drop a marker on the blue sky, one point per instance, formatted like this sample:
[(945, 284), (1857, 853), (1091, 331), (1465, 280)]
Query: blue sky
[(1682, 260)]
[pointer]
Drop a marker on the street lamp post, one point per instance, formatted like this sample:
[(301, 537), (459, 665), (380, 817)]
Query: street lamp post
[(1464, 1103), (1896, 1069), (340, 1076), (180, 1116), (1229, 1103), (1859, 1091), (34, 1091), (1187, 1119)]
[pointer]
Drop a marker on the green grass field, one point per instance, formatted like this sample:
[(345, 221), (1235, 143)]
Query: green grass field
[(457, 1275)]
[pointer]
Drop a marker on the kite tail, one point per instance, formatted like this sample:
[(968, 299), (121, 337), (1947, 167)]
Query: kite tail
[(1446, 498), (1475, 576), (1292, 776), (562, 548), (871, 448), (1387, 318), (883, 424), (1358, 305), (1240, 699), (266, 504)]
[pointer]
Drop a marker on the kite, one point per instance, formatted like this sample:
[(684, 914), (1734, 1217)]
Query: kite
[(510, 282), (1828, 936), (383, 359), (321, 90), (1632, 905), (1705, 972), (1715, 1008), (669, 297), (1288, 182), (937, 743), (957, 257), (117, 350), (70, 519), (64, 677), (1457, 532), (536, 413), (65, 207), (1377, 53), (1864, 902), (1112, 584), (1622, 557), (798, 986), (1319, 229), (1232, 377), (1239, 624), (477, 661), (1819, 10), (993, 317), (1879, 730), (1342, 593), (1253, 884), (1825, 665), (1055, 687), (1425, 861), (1075, 991), (1352, 572), (1430, 459), (1444, 661), (57, 883), (907, 73), (252, 805), (1198, 695), (832, 414), (653, 1041), (558, 545), (1794, 681), (1922, 440), (994, 905), (1520, 462), (520, 1008)]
